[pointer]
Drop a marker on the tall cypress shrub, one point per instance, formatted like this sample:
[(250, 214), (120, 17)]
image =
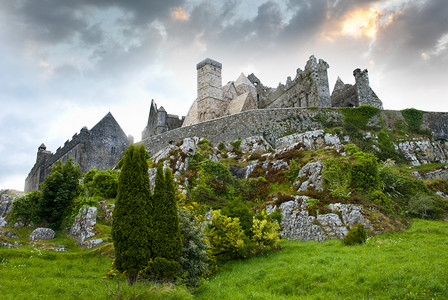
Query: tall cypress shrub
[(167, 242), (131, 227)]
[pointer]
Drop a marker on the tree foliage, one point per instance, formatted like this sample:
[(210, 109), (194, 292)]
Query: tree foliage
[(132, 224), (58, 191), (101, 183), (167, 242)]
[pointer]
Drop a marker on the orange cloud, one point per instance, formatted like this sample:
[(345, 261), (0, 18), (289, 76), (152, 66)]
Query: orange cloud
[(179, 13), (361, 22)]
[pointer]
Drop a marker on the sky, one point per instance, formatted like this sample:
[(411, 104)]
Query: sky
[(65, 64)]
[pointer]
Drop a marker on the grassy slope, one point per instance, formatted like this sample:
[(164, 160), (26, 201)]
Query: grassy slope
[(408, 265)]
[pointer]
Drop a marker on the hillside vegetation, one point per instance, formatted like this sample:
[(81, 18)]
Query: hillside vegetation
[(236, 205)]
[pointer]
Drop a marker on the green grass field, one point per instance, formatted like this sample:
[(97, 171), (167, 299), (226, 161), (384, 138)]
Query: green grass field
[(407, 265)]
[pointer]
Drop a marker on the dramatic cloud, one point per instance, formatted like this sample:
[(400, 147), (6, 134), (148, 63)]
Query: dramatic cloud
[(65, 64)]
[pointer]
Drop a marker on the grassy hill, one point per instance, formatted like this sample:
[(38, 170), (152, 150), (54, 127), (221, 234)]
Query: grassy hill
[(407, 265)]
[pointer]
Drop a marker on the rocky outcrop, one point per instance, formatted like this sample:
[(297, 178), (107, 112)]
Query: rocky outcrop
[(83, 226), (298, 224), (255, 145), (7, 198), (420, 151), (42, 234), (310, 176), (309, 140)]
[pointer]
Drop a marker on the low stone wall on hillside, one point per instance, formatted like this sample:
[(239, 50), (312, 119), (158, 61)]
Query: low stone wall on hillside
[(273, 124)]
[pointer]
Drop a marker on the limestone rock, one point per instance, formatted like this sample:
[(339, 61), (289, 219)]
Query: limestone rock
[(7, 245), (9, 234), (7, 198), (423, 151), (42, 234), (310, 176), (107, 210), (83, 225), (92, 243), (309, 140), (255, 145), (298, 224)]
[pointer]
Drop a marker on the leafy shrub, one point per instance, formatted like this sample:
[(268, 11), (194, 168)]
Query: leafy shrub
[(294, 170), (226, 237), (255, 189), (160, 269), (356, 118), (337, 178), (425, 206), (364, 172), (25, 208), (204, 144), (58, 191), (265, 232), (413, 117), (101, 183), (194, 257), (380, 198), (237, 208), (387, 148), (356, 235), (236, 145), (222, 146)]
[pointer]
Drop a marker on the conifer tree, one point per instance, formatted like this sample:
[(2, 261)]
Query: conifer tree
[(131, 227), (167, 242)]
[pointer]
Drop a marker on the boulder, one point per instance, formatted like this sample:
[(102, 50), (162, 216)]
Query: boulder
[(92, 243), (83, 225), (42, 234)]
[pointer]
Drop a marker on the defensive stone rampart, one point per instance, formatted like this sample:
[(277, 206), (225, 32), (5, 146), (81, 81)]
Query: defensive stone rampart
[(273, 124)]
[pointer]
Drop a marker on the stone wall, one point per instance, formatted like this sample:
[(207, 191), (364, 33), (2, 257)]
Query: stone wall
[(273, 124), (100, 148)]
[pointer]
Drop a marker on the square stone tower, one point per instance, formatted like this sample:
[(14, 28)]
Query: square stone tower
[(210, 101)]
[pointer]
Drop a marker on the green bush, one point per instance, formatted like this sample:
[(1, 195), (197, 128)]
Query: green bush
[(165, 269), (222, 146), (237, 208), (195, 248), (413, 117), (380, 198), (387, 148), (425, 206), (356, 118), (337, 178), (356, 235), (265, 232), (236, 145), (25, 208), (227, 239), (58, 192), (364, 172), (101, 183)]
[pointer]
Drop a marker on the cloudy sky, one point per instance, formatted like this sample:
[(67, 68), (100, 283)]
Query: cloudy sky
[(64, 64)]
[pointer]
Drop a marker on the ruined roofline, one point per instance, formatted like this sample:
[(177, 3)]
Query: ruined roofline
[(208, 61)]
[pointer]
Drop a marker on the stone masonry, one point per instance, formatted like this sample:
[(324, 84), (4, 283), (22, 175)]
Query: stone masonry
[(100, 148)]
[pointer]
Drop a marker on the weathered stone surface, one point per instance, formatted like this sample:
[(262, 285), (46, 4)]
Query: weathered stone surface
[(106, 210), (6, 245), (440, 173), (9, 234), (83, 225), (310, 176), (42, 234), (298, 224), (89, 244), (423, 151), (254, 144), (309, 140), (7, 198)]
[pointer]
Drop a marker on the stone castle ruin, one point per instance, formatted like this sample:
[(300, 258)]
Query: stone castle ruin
[(100, 147), (104, 145), (309, 88)]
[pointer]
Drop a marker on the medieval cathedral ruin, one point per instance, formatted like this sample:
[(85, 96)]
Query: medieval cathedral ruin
[(104, 145), (309, 88)]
